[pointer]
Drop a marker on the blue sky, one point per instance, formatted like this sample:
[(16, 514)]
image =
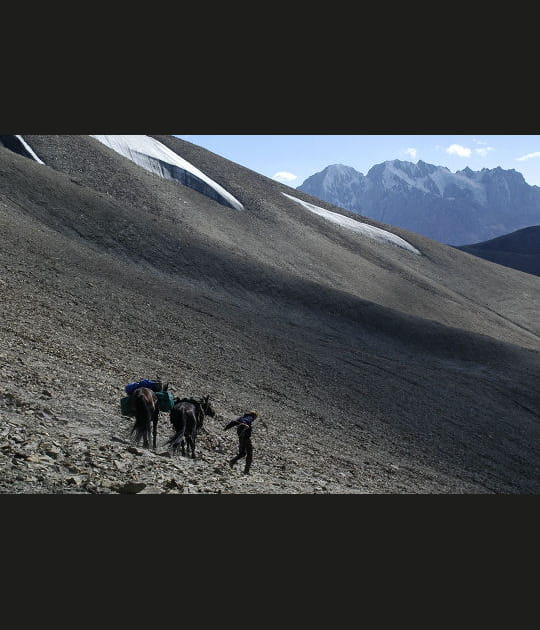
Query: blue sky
[(291, 159)]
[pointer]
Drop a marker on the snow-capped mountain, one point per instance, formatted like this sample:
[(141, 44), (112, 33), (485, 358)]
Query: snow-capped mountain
[(453, 208)]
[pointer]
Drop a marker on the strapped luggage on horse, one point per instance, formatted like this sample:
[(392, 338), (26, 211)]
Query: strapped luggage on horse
[(155, 386), (125, 406), (165, 398), (165, 401)]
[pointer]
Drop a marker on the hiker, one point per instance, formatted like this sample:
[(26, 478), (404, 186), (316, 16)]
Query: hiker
[(245, 448)]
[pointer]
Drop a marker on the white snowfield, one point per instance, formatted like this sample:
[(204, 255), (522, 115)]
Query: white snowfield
[(29, 149), (159, 159), (370, 231)]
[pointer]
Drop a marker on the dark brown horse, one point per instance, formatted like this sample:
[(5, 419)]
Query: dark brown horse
[(187, 417), (144, 404)]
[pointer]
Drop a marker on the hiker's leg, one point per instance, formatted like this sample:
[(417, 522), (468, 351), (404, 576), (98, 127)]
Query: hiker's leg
[(233, 461), (249, 458), (241, 453)]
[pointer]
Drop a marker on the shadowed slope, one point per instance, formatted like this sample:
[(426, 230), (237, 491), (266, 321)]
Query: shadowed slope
[(519, 250)]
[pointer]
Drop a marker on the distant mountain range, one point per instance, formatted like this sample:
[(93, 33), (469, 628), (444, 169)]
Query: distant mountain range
[(519, 250), (459, 208)]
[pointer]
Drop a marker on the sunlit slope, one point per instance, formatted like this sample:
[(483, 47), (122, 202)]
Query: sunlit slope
[(284, 244)]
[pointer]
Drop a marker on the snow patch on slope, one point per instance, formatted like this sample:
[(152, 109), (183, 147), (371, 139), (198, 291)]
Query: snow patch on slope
[(157, 158), (377, 234), (29, 149)]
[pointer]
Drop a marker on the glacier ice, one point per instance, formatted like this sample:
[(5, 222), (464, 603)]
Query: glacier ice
[(372, 232), (154, 156)]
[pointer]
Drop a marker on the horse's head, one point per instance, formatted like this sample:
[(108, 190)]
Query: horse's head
[(207, 407)]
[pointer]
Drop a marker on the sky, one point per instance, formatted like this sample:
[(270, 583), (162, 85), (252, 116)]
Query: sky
[(291, 159)]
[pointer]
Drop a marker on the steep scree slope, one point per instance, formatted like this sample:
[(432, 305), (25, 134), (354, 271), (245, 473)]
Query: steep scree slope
[(376, 370)]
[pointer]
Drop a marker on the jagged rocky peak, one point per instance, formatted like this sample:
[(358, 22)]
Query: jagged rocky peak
[(509, 175), (393, 174), (339, 168), (376, 171), (406, 167), (418, 170), (340, 171), (424, 168), (492, 174), (334, 177)]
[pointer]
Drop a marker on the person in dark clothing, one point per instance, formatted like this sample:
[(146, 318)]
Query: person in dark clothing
[(243, 426)]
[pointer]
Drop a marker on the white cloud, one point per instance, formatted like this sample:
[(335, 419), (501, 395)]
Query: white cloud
[(476, 141), (457, 149), (529, 156), (283, 176), (484, 151), (412, 152)]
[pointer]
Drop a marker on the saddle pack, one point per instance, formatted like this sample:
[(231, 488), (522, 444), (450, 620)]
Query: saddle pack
[(165, 398), (155, 386), (165, 403)]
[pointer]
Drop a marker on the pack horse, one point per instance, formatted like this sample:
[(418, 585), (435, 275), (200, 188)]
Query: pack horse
[(187, 417), (144, 400), (146, 408)]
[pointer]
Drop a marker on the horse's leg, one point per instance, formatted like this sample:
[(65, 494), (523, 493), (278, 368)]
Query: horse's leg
[(193, 439), (193, 435), (183, 442), (144, 428), (155, 423)]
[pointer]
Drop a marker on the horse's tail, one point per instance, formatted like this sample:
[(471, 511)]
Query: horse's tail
[(179, 423), (143, 417), (176, 440)]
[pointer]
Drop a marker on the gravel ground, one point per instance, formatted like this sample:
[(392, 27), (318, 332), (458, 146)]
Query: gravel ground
[(375, 370)]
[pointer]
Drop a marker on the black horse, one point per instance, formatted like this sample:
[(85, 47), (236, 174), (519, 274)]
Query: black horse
[(144, 403), (187, 417)]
